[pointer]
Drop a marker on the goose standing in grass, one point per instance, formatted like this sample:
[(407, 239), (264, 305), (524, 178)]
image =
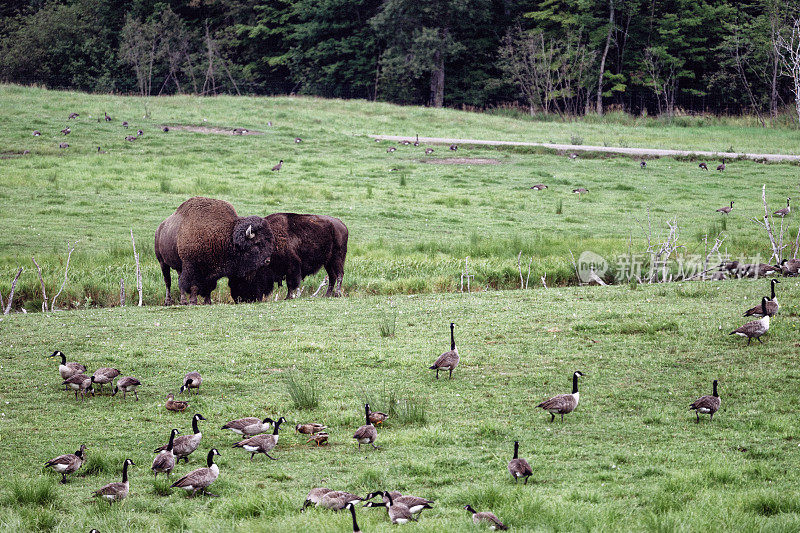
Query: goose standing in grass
[(454, 147), (539, 187), (756, 328), (428, 151), (336, 500), (518, 467), (772, 304), (80, 383), (391, 149), (725, 210), (192, 380), (105, 375), (643, 163), (261, 443), (367, 433), (67, 369), (73, 115), (580, 190), (175, 405), (785, 211), (66, 131), (703, 166), (165, 129), (108, 119), (298, 140), (37, 133), (68, 463), (353, 513), (314, 497), (63, 145), (164, 462), (448, 360), (202, 478), (127, 384), (278, 166), (721, 166), (563, 403), (186, 444), (116, 491), (489, 518), (310, 428), (573, 155), (707, 405), (249, 426)]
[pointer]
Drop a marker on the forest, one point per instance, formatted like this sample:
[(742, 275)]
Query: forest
[(558, 57)]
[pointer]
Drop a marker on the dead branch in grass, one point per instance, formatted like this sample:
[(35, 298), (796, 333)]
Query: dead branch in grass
[(70, 249), (11, 294)]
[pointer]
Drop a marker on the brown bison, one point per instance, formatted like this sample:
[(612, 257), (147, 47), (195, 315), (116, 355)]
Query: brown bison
[(303, 245), (205, 240)]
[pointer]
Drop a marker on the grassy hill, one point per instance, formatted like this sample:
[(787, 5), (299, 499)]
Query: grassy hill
[(412, 222)]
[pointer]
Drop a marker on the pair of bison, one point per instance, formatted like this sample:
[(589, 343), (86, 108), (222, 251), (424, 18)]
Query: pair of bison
[(205, 240)]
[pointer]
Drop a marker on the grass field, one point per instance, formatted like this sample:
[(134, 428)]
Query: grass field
[(629, 458), (410, 229)]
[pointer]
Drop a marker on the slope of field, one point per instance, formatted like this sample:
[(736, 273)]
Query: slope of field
[(412, 222), (631, 457)]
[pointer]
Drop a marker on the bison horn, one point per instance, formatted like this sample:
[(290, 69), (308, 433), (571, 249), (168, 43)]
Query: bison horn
[(249, 233)]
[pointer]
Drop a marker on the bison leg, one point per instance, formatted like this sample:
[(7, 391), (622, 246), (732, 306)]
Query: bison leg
[(335, 270), (165, 271), (294, 278), (188, 285)]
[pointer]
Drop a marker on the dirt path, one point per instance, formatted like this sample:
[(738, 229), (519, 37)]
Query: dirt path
[(635, 152)]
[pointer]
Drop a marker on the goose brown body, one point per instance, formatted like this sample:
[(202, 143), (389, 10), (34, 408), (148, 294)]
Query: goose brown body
[(249, 425), (116, 491), (127, 384), (707, 405), (200, 479), (192, 380), (563, 403), (175, 405), (448, 360), (164, 462), (185, 445), (772, 304), (519, 468), (367, 433), (756, 328), (67, 369), (261, 443), (488, 518), (68, 463)]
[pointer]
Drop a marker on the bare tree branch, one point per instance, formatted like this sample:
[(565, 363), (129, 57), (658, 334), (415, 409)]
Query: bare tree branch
[(66, 271), (138, 269), (11, 294)]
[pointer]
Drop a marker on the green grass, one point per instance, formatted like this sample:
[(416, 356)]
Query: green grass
[(408, 233), (629, 458)]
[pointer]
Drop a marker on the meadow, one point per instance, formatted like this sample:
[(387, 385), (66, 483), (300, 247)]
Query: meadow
[(630, 458)]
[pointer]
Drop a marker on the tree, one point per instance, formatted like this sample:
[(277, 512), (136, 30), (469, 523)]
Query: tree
[(788, 50)]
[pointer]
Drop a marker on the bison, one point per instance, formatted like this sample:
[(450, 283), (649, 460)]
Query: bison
[(205, 240), (303, 245)]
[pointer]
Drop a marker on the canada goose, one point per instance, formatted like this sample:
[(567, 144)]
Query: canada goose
[(707, 405), (762, 270), (399, 513), (448, 360), (26, 152), (785, 211), (200, 479), (192, 380), (164, 462), (139, 132), (175, 405), (249, 426), (319, 438), (124, 123), (80, 383), (721, 166), (376, 417), (730, 266), (186, 444), (353, 512), (310, 428), (130, 138), (298, 140), (428, 151), (165, 129), (580, 190), (127, 384), (790, 267), (63, 145), (314, 497), (336, 500), (454, 147), (116, 491), (278, 166), (68, 463), (415, 504), (563, 403), (66, 131), (261, 443), (643, 163), (573, 155), (36, 133), (67, 370), (539, 187), (391, 149), (269, 123), (756, 328), (491, 520), (519, 467), (101, 151), (105, 375), (725, 210), (703, 166), (108, 119), (416, 142), (772, 304), (367, 433), (404, 142)]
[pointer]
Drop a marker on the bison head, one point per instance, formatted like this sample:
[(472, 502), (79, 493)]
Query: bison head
[(253, 241)]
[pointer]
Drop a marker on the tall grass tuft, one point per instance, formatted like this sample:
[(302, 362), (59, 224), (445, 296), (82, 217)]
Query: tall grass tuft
[(40, 491), (165, 185), (403, 180), (560, 207), (388, 324), (575, 139), (302, 390), (411, 410)]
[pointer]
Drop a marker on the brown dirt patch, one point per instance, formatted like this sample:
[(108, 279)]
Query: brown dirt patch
[(462, 161), (215, 130)]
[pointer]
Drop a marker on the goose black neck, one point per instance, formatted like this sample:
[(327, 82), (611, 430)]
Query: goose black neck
[(187, 382), (210, 458), (731, 200), (773, 282), (389, 496), (516, 449), (277, 425), (353, 512), (194, 425), (63, 357), (574, 383), (171, 442), (366, 411), (452, 337), (764, 306), (715, 390), (469, 509), (125, 472)]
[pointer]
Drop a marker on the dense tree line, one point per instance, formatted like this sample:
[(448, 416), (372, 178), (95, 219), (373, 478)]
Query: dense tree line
[(559, 56)]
